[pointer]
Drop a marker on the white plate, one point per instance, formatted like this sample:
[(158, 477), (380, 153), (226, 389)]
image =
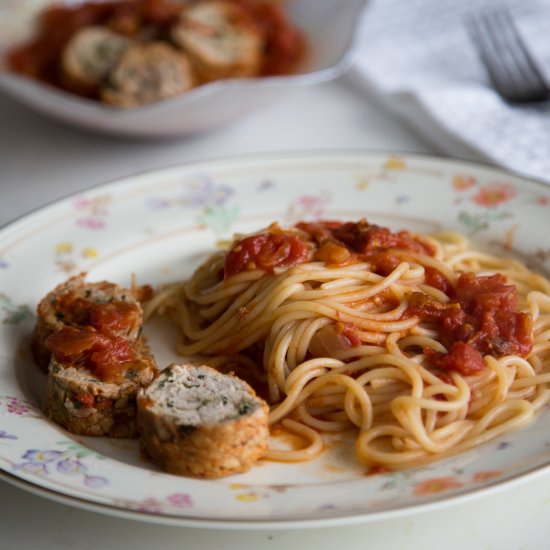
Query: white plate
[(159, 226), (329, 27)]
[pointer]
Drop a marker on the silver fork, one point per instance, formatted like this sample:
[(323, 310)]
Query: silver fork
[(511, 67)]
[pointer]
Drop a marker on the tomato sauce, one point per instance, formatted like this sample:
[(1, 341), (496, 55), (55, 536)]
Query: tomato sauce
[(95, 336), (108, 357), (265, 251), (365, 238), (332, 242), (109, 318), (341, 243), (40, 57), (483, 319), (461, 358), (435, 278), (348, 332), (114, 317), (284, 43)]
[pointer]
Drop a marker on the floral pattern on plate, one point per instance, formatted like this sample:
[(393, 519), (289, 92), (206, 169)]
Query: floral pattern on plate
[(68, 461)]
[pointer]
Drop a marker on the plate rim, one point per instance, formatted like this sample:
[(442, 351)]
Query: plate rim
[(345, 519)]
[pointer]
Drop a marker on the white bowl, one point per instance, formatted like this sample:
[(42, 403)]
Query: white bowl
[(329, 25)]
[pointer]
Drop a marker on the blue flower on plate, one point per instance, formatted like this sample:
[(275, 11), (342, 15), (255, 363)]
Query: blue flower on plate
[(37, 456), (95, 482), (71, 467), (157, 203), (402, 199), (36, 468), (6, 435), (207, 193), (265, 185)]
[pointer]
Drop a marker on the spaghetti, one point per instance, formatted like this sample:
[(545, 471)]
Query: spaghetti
[(421, 345)]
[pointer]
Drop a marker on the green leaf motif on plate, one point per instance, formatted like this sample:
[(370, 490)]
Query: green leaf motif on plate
[(13, 314)]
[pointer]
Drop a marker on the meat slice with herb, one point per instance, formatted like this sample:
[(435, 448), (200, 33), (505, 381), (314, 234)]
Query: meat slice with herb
[(195, 421), (84, 403), (103, 306), (89, 57), (221, 39), (88, 337), (146, 73)]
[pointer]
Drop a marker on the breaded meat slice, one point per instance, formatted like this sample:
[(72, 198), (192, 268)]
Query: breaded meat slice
[(221, 40), (195, 421), (93, 381), (146, 73), (103, 306), (89, 56)]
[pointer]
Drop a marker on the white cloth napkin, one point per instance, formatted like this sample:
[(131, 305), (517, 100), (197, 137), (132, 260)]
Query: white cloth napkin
[(417, 57)]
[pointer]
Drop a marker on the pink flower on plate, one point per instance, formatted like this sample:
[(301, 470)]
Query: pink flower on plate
[(308, 206), (149, 505), (91, 223), (436, 485), (17, 406), (486, 475), (180, 500), (82, 203), (494, 194), (461, 182)]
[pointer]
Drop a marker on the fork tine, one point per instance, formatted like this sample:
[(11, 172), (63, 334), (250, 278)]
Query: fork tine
[(511, 67), (484, 39), (525, 62)]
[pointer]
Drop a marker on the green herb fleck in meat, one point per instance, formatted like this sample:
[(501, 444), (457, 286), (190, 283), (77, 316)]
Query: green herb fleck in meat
[(245, 407), (185, 431), (131, 374)]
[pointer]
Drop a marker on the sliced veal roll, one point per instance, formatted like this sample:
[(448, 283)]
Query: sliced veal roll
[(93, 380), (195, 421), (103, 306), (89, 57), (221, 40), (146, 73)]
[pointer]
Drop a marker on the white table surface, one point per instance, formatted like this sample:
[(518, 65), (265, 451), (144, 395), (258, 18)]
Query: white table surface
[(41, 160)]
